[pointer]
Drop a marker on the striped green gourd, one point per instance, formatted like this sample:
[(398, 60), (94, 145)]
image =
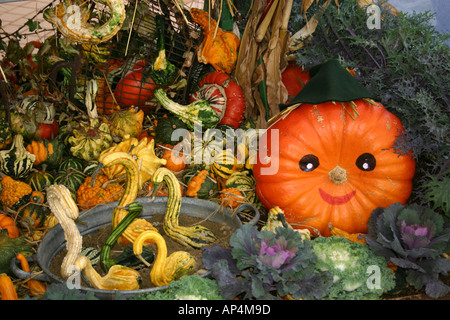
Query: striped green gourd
[(244, 182), (72, 163), (40, 179), (197, 111), (71, 179), (195, 236), (127, 257), (224, 164)]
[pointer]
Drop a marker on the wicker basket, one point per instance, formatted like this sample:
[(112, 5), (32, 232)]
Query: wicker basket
[(128, 47)]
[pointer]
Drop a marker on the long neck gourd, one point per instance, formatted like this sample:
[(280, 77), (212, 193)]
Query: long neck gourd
[(165, 268), (117, 278), (66, 211), (129, 195), (197, 111), (134, 210), (194, 236)]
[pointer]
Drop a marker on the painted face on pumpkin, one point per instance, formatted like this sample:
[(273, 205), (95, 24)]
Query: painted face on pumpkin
[(333, 168), (365, 162)]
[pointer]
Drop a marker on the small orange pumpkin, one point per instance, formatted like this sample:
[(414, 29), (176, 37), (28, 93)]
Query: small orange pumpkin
[(326, 165), (175, 160)]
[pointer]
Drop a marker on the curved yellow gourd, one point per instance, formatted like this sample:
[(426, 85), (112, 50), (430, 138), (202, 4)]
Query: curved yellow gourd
[(71, 18), (66, 211), (165, 269), (142, 150), (117, 278), (129, 195), (194, 236)]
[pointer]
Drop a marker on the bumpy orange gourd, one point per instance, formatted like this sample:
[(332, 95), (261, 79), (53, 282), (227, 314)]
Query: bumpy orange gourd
[(231, 197), (39, 150), (321, 165), (218, 47), (15, 193), (89, 196)]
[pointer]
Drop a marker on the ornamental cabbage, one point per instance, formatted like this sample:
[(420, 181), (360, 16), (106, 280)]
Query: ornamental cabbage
[(191, 287), (266, 265), (357, 272), (413, 238)]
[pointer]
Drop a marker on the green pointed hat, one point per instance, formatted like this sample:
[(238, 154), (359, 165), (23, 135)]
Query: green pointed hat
[(330, 82)]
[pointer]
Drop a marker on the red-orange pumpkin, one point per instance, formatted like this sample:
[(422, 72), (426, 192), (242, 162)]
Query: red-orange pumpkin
[(327, 167), (294, 79)]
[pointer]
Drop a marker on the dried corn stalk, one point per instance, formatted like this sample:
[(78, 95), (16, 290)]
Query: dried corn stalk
[(261, 59), (299, 39)]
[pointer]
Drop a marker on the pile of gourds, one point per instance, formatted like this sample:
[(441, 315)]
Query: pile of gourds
[(117, 157)]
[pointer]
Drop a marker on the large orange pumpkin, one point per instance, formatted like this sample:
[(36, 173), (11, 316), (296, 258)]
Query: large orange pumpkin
[(328, 167)]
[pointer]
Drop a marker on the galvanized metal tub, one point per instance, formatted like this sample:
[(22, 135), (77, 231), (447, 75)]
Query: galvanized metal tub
[(54, 241)]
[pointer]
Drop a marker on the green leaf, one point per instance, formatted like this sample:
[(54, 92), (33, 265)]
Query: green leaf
[(437, 193), (33, 25)]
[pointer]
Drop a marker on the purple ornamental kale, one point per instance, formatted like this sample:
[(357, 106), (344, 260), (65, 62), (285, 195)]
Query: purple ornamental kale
[(416, 236), (266, 265), (413, 238), (278, 254)]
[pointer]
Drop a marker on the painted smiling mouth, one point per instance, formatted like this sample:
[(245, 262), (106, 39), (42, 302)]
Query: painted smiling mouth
[(336, 200)]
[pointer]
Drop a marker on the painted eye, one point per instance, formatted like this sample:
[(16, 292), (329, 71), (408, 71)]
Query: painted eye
[(366, 162), (309, 163)]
